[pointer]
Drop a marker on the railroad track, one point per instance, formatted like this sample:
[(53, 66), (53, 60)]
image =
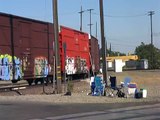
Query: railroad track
[(21, 88), (13, 87)]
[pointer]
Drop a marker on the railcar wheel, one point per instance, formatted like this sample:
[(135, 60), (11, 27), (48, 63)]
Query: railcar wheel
[(70, 77), (85, 76), (14, 81), (46, 81), (36, 81), (42, 80), (50, 79), (30, 82)]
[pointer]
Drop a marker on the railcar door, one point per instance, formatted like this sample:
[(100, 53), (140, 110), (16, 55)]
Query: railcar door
[(25, 47)]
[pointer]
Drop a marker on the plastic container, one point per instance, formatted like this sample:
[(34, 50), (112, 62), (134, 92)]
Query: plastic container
[(92, 80), (144, 93)]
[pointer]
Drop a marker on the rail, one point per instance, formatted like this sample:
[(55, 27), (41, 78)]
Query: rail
[(15, 88)]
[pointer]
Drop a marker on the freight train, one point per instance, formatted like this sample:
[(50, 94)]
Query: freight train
[(27, 50)]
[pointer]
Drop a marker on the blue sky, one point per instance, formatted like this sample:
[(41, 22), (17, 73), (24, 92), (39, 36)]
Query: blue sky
[(126, 21)]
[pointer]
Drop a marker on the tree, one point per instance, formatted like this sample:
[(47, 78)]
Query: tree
[(115, 53), (112, 53), (145, 52)]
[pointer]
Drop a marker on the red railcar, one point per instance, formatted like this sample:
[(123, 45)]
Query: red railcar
[(77, 51)]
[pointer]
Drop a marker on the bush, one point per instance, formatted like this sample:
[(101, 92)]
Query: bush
[(69, 86)]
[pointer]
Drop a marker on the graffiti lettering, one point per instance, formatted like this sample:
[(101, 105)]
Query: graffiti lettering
[(6, 68), (75, 66), (41, 68), (70, 66)]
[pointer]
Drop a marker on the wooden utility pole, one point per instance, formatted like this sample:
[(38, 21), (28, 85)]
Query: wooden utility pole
[(103, 43), (90, 10), (81, 12), (96, 30), (56, 38), (64, 73), (12, 46), (151, 13), (110, 49)]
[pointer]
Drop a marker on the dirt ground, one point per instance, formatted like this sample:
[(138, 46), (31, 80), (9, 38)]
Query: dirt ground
[(149, 80), (142, 78)]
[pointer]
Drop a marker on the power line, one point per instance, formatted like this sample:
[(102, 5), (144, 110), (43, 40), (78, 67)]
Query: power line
[(107, 15), (68, 13), (129, 16), (126, 45), (156, 34), (125, 40), (45, 7), (126, 16)]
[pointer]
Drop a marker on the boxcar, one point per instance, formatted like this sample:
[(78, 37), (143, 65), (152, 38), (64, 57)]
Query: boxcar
[(26, 48), (77, 59), (95, 56)]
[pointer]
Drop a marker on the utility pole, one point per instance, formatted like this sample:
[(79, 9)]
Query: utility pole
[(103, 43), (90, 10), (64, 74), (96, 29), (12, 45), (56, 38), (110, 48), (151, 13), (81, 12), (106, 48)]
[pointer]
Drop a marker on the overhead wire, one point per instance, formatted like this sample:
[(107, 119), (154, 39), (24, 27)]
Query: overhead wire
[(129, 16), (45, 10), (116, 42), (112, 16), (121, 44), (71, 13), (116, 16), (156, 34), (113, 39)]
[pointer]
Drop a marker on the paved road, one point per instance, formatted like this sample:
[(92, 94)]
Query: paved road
[(46, 111), (148, 112)]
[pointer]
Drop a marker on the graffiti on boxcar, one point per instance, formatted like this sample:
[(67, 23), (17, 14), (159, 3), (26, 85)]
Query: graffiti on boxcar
[(70, 66), (25, 62), (81, 65), (41, 68), (76, 66), (6, 68)]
